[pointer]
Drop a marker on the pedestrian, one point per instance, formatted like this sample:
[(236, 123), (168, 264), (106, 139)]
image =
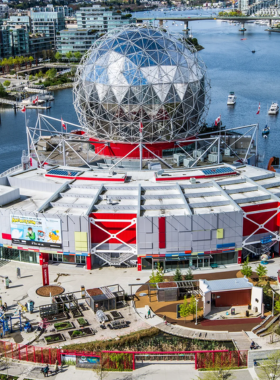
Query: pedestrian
[(5, 306), (149, 313), (56, 366), (46, 371)]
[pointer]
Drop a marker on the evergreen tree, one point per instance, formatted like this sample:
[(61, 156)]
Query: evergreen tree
[(261, 271), (246, 268), (189, 275), (178, 275), (184, 309)]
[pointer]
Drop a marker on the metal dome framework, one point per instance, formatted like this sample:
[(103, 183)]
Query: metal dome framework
[(145, 75)]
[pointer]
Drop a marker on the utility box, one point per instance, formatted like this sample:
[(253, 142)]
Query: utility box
[(178, 158), (213, 157), (227, 152), (188, 162)]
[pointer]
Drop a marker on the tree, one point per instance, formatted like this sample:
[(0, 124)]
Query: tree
[(270, 368), (7, 83), (152, 279), (184, 309), (261, 271), (51, 73), (192, 306), (58, 56), (78, 55), (246, 268), (3, 92), (178, 275), (69, 55), (159, 275), (277, 306), (30, 59), (30, 77), (189, 275)]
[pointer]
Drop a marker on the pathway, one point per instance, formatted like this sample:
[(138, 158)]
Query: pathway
[(240, 340)]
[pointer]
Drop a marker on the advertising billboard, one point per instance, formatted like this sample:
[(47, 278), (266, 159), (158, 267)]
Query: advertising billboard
[(36, 231)]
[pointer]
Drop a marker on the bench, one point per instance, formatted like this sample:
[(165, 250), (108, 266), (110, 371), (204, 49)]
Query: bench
[(214, 265)]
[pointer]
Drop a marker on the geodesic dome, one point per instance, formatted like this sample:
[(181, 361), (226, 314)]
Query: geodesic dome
[(141, 74)]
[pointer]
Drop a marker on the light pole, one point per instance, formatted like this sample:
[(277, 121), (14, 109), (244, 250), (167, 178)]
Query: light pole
[(273, 303), (196, 301)]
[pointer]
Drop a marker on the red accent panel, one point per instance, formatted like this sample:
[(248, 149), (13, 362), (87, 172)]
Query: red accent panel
[(6, 236), (161, 233), (89, 262), (120, 149), (233, 298), (260, 218), (45, 274), (88, 178), (113, 226), (139, 264), (239, 258)]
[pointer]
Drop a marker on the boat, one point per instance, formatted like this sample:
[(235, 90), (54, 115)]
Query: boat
[(242, 29), (231, 99), (265, 132), (274, 109), (253, 51)]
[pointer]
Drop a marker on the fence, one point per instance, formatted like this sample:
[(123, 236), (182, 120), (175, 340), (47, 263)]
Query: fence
[(123, 360)]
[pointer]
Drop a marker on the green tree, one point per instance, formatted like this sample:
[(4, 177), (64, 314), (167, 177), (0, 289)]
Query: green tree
[(178, 275), (159, 275), (7, 83), (78, 55), (270, 368), (3, 92), (277, 306), (69, 55), (30, 77), (58, 56), (246, 268), (192, 306), (184, 309), (51, 73), (152, 279), (261, 271), (30, 59), (189, 275)]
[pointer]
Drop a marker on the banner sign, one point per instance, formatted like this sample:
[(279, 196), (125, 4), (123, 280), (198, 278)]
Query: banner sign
[(38, 232), (45, 274)]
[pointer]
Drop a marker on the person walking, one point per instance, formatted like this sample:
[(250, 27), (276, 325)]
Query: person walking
[(149, 313), (46, 371), (5, 306), (56, 366)]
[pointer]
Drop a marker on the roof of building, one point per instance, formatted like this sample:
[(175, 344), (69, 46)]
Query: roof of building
[(81, 191), (228, 284)]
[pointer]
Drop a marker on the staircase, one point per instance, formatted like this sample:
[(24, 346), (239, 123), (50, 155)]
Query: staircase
[(240, 340), (116, 261), (264, 247)]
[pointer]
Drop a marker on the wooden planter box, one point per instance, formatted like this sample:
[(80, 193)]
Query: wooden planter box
[(54, 337), (87, 331), (86, 322), (71, 326)]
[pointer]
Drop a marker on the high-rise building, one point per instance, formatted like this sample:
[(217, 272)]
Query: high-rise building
[(19, 21), (75, 40), (47, 21), (4, 11), (101, 19), (5, 48)]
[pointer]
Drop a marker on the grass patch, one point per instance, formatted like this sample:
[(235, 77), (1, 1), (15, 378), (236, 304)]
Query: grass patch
[(82, 321), (63, 325)]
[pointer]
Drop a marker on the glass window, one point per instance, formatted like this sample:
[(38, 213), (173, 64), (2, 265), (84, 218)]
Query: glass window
[(146, 263)]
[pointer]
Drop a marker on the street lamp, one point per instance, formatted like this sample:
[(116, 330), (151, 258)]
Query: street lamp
[(196, 300)]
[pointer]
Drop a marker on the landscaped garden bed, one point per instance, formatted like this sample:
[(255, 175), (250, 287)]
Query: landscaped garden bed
[(59, 326), (82, 322), (57, 317), (116, 315), (55, 338), (76, 313), (81, 333)]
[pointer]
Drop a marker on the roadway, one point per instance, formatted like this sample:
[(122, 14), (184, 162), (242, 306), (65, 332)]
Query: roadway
[(242, 19)]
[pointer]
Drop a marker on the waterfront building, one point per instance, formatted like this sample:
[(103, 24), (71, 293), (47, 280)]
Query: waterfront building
[(39, 43), (47, 21), (75, 40), (101, 19), (19, 21), (5, 48), (19, 41)]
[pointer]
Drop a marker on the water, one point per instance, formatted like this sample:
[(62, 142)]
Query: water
[(231, 66)]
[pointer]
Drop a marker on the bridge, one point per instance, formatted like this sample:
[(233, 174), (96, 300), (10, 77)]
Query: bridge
[(186, 20)]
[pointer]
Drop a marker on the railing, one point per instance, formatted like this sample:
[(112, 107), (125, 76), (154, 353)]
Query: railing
[(11, 170), (115, 260)]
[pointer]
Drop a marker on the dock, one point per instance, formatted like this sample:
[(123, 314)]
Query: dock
[(39, 107)]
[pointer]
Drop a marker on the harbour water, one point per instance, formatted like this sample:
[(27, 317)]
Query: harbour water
[(231, 67)]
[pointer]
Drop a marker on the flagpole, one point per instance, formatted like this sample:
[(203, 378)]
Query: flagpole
[(140, 145), (27, 135)]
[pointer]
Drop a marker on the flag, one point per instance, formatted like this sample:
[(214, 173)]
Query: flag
[(63, 124), (217, 121), (35, 100), (23, 109), (259, 108)]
